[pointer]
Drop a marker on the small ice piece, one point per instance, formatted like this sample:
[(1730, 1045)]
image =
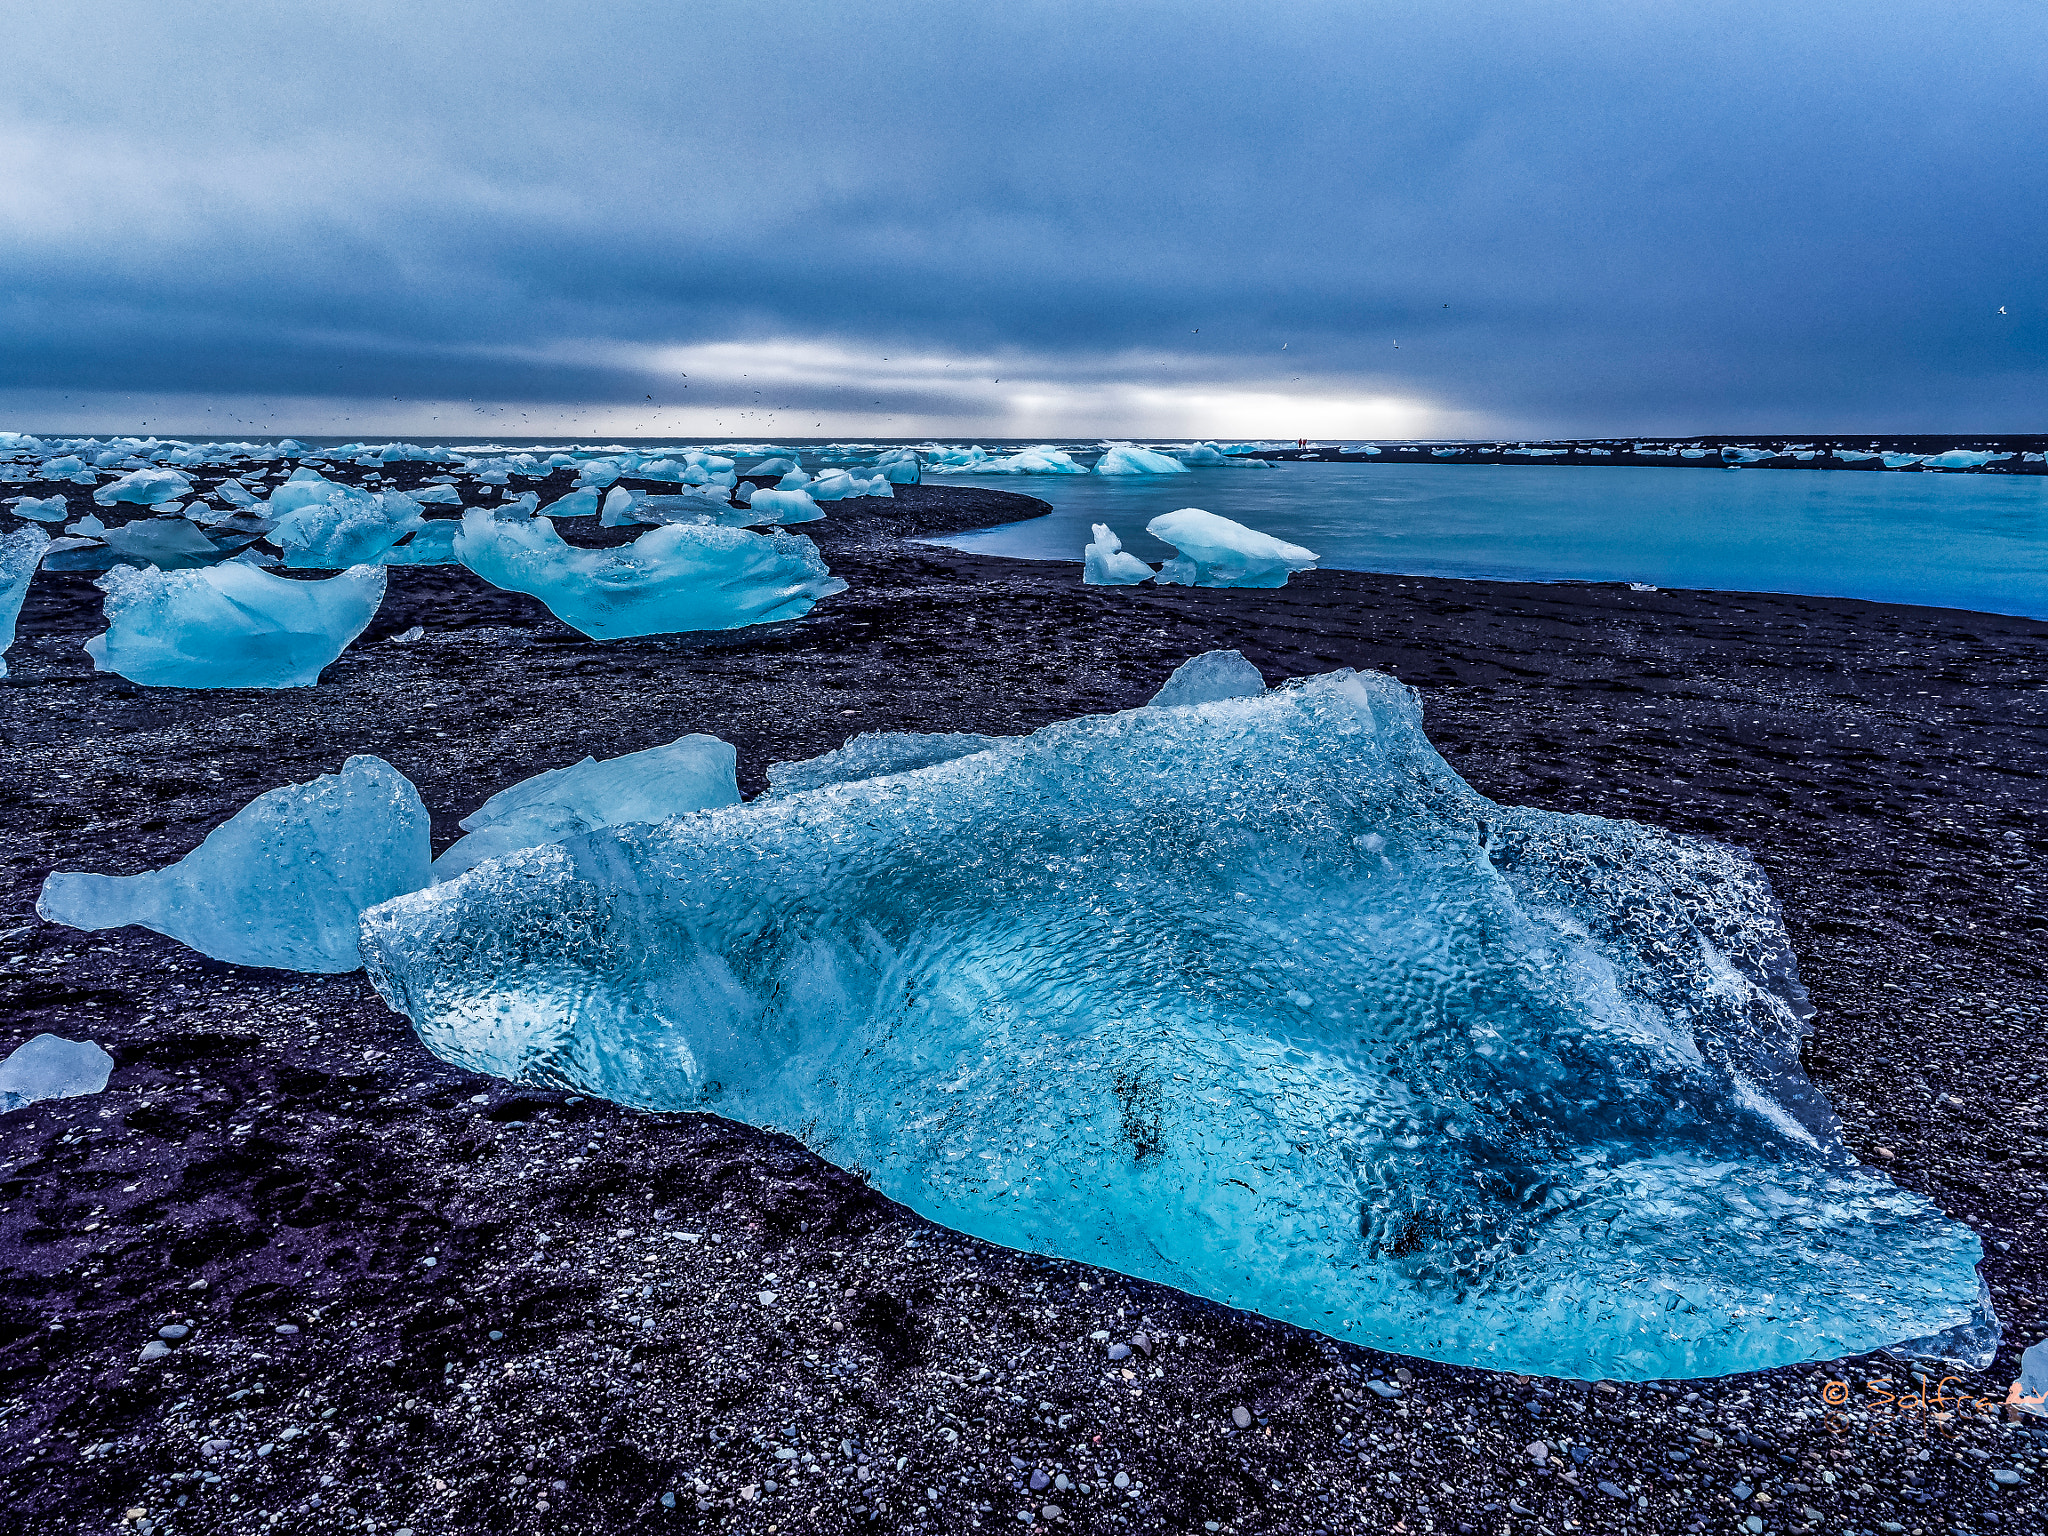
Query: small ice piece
[(1216, 552), (596, 474), (578, 503), (168, 543), (692, 773), (234, 493), (144, 487), (1124, 459), (1960, 458), (1209, 677), (675, 579), (872, 754), (230, 625), (44, 509), (432, 543), (778, 466), (621, 508), (406, 637), (88, 527), (900, 466), (783, 507), (794, 480), (436, 495), (1108, 566), (20, 553), (524, 505), (283, 882), (2032, 1396), (51, 1067), (343, 527)]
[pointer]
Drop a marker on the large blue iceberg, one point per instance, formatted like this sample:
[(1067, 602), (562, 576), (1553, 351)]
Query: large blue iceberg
[(283, 882), (230, 625), (1254, 997), (1215, 551)]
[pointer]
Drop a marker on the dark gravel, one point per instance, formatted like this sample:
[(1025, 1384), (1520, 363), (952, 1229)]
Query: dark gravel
[(517, 1311)]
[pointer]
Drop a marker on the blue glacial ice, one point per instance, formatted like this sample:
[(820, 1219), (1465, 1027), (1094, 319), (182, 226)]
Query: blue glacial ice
[(900, 466), (1256, 998), (144, 487), (20, 553), (1216, 552), (432, 543), (675, 579), (230, 625), (692, 773), (1045, 459), (1208, 679), (780, 507), (51, 1067), (44, 509), (324, 526), (167, 543), (1124, 459), (283, 882), (1105, 564), (581, 502), (873, 754)]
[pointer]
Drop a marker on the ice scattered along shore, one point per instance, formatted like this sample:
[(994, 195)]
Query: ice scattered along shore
[(692, 773), (51, 1067), (1208, 678), (1123, 459), (684, 577), (282, 882), (1104, 563), (1256, 998), (1216, 552), (230, 625), (20, 553), (872, 754)]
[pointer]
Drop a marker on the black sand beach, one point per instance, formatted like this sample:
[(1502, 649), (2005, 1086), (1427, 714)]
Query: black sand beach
[(420, 1301)]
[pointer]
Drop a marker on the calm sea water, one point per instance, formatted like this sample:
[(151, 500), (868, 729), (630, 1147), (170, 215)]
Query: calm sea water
[(1952, 541)]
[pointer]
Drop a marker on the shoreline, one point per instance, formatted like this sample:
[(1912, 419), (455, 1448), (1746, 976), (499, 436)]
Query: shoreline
[(294, 1147), (1995, 454)]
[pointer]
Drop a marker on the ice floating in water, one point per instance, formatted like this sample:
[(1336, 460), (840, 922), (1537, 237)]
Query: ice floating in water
[(46, 509), (282, 882), (230, 625), (872, 754), (1256, 998), (685, 577), (1123, 459), (900, 466), (51, 1067), (1106, 565), (1216, 552), (692, 773), (144, 487), (1046, 459), (20, 553), (1208, 678)]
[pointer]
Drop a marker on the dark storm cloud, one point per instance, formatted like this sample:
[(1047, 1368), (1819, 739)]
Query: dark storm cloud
[(1582, 217)]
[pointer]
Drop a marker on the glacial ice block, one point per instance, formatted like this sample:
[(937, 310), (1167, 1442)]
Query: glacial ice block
[(144, 487), (343, 527), (1123, 459), (230, 625), (20, 553), (1216, 552), (283, 882), (51, 1067), (1104, 563), (45, 509), (1211, 676), (1256, 998), (783, 507), (691, 773), (872, 754), (683, 577)]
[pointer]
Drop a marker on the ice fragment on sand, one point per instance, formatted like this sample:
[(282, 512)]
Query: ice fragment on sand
[(685, 577), (282, 882), (692, 773), (578, 503), (46, 509), (1123, 459), (432, 543), (230, 625), (51, 1067), (341, 527), (20, 553), (781, 507), (2033, 1383), (872, 754), (144, 487), (1216, 552), (1106, 565), (1258, 999), (168, 543), (1211, 676)]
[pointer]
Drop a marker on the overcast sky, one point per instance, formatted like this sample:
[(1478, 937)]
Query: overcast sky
[(1178, 219)]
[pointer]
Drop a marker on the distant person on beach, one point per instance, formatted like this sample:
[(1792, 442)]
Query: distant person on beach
[(1301, 442)]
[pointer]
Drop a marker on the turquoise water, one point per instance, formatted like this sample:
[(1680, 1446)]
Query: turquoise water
[(1951, 541)]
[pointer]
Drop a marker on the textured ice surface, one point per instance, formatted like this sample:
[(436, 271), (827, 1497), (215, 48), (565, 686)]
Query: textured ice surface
[(432, 543), (1257, 998), (1211, 676), (1045, 459), (872, 754), (1104, 563), (2033, 1382), (282, 882), (51, 1067), (44, 509), (339, 527), (1123, 459), (900, 466), (230, 625), (578, 503), (686, 577), (144, 487), (20, 553), (780, 507), (1216, 552), (168, 543), (692, 773)]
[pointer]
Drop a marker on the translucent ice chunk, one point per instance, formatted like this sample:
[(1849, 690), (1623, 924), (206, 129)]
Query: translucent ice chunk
[(685, 577), (1106, 565), (1216, 552), (2032, 1396), (692, 773), (281, 883), (872, 754), (1258, 999), (578, 503), (51, 1067), (436, 495), (230, 625), (45, 509), (781, 507), (900, 465), (168, 543), (144, 487), (20, 553), (1123, 459), (1211, 676), (342, 528), (776, 466), (432, 543)]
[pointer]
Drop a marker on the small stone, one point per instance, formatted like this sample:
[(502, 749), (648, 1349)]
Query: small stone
[(1040, 1481), (1142, 1343), (1119, 1351), (430, 1262), (1740, 1492), (1612, 1491), (173, 1332), (1052, 1512), (1241, 1417), (214, 1448), (668, 1501), (1382, 1388), (1404, 1376), (287, 1327), (2005, 1477), (1515, 1508), (155, 1349), (496, 1335), (770, 1486), (864, 1474), (1063, 1483), (1538, 1452), (1122, 1479), (1754, 1525)]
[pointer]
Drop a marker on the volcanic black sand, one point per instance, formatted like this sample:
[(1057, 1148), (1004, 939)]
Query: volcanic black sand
[(424, 1301)]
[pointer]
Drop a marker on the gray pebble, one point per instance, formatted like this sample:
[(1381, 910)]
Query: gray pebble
[(214, 1448), (1119, 1351), (1063, 1483), (173, 1332), (1040, 1481), (1241, 1417), (1123, 1479), (1612, 1491), (287, 1327), (1383, 1388), (1052, 1512), (1740, 1492), (1142, 1344), (2005, 1477), (155, 1349)]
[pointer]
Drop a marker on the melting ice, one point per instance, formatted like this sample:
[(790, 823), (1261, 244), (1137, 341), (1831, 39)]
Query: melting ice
[(230, 625)]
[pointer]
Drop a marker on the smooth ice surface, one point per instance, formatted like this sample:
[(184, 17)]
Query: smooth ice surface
[(578, 503), (782, 507), (685, 577), (321, 526), (168, 543), (2033, 1382), (1104, 563), (1256, 998), (282, 882), (144, 487), (51, 1067), (21, 551), (1216, 552), (230, 625), (1209, 677), (44, 509), (432, 543), (872, 754), (1123, 459), (692, 773)]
